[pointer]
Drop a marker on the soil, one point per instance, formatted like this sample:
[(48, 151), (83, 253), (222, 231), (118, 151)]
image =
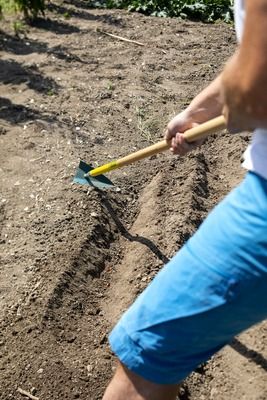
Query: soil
[(74, 257)]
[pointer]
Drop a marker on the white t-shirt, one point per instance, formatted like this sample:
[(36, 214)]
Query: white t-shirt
[(255, 157)]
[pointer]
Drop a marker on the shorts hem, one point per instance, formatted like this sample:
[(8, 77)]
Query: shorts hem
[(134, 358)]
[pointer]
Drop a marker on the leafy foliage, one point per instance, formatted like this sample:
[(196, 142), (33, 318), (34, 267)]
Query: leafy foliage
[(205, 10), (30, 8)]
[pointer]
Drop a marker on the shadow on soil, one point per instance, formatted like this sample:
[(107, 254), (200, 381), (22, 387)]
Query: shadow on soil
[(79, 12), (16, 113), (132, 238), (251, 355), (11, 72), (58, 27), (16, 45)]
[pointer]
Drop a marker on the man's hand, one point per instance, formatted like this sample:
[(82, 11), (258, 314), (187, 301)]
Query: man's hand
[(205, 106), (179, 124)]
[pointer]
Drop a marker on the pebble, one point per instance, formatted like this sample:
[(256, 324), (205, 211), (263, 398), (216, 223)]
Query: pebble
[(40, 371), (89, 368), (33, 391)]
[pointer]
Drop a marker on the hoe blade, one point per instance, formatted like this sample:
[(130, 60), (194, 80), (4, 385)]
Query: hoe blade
[(99, 181)]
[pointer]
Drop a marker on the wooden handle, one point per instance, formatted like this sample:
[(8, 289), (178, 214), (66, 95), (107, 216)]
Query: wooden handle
[(206, 129), (143, 153), (198, 132)]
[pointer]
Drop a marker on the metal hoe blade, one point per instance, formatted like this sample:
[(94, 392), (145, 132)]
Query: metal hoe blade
[(99, 181)]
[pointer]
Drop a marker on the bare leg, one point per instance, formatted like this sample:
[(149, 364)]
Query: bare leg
[(127, 385)]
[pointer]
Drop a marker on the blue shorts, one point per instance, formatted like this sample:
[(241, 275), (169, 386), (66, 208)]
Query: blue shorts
[(214, 288)]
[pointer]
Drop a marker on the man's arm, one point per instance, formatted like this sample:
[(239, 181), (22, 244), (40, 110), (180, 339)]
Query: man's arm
[(206, 105), (244, 79)]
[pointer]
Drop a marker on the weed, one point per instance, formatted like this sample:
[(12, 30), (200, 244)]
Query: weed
[(30, 8), (8, 6), (50, 92), (66, 15), (19, 27), (110, 86), (143, 124)]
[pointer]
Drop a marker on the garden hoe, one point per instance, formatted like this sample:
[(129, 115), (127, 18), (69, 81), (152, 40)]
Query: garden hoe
[(87, 175)]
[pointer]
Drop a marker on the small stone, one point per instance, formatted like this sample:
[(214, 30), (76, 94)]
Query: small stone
[(40, 371), (33, 391), (89, 368)]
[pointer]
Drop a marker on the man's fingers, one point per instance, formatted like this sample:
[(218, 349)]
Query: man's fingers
[(179, 123), (174, 133), (180, 146)]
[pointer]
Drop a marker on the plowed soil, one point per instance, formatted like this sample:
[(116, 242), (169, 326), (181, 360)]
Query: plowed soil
[(73, 257)]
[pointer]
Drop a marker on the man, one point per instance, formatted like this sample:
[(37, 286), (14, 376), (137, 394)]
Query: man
[(216, 285)]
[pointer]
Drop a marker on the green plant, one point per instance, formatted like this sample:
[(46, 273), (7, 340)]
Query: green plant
[(30, 8), (50, 92), (205, 10), (7, 6), (19, 27), (110, 86), (67, 15)]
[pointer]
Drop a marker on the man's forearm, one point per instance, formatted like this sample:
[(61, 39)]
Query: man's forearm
[(208, 103), (244, 79)]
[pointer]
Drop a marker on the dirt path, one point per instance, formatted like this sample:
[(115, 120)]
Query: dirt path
[(73, 258)]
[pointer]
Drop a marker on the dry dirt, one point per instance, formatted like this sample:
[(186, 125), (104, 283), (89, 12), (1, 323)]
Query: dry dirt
[(73, 258)]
